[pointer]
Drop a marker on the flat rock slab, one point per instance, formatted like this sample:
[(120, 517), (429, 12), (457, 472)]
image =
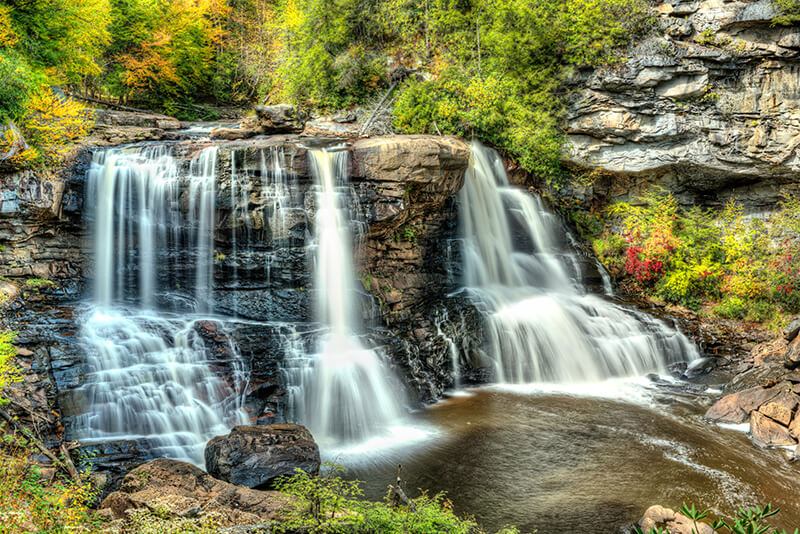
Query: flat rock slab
[(737, 407), (254, 456)]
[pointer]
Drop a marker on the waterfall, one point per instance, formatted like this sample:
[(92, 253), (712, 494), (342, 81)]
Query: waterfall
[(541, 323), (343, 392), (149, 376)]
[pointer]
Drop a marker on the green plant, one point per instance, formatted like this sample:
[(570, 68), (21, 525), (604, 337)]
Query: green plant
[(160, 521), (734, 266), (328, 503), (31, 503), (9, 371), (746, 521), (707, 37), (39, 283)]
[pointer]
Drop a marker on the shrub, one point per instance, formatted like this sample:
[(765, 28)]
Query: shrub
[(732, 308), (743, 267), (51, 125), (9, 372), (330, 504), (31, 503)]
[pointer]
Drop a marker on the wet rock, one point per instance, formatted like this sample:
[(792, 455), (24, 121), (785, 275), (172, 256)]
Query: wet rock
[(769, 433), (674, 522), (180, 489), (108, 117), (791, 331), (253, 456), (280, 118), (325, 128), (737, 407), (700, 367)]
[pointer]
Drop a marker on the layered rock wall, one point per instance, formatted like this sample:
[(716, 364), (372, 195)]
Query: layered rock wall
[(705, 106)]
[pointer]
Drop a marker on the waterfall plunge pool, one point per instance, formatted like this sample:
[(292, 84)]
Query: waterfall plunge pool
[(564, 460)]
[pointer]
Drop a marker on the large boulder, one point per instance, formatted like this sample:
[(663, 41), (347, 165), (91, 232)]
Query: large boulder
[(674, 522), (792, 355), (737, 407), (281, 118), (179, 489), (254, 456), (791, 331), (767, 432)]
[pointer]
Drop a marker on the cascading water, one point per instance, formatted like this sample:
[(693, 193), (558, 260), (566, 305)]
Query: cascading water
[(149, 378), (541, 324), (343, 393)]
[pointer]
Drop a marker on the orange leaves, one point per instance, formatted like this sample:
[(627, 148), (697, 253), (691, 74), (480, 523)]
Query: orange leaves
[(185, 36), (150, 65)]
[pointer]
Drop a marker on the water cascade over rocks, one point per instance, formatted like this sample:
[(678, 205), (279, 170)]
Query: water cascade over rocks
[(542, 325), (343, 393), (148, 375)]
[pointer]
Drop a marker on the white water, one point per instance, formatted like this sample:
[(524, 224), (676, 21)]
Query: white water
[(149, 376), (541, 324), (343, 393)]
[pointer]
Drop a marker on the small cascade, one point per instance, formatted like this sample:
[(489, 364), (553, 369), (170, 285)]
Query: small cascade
[(149, 376), (202, 186), (541, 324), (452, 347), (343, 392)]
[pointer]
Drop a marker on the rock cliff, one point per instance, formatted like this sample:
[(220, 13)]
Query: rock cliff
[(402, 191), (705, 106)]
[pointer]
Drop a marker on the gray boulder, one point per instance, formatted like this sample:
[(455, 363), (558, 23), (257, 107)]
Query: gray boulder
[(254, 456)]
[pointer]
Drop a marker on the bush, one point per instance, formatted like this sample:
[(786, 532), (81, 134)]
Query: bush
[(51, 125), (31, 503), (9, 372), (330, 504), (732, 308), (742, 268)]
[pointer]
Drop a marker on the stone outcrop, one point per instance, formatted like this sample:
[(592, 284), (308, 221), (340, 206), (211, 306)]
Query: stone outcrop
[(178, 489), (268, 120), (704, 106), (254, 456), (118, 127), (771, 411), (411, 183), (657, 517)]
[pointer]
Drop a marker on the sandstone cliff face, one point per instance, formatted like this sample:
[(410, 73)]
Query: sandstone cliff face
[(706, 106)]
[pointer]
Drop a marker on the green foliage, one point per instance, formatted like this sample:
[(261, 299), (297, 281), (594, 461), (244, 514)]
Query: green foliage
[(331, 504), (31, 503), (490, 68), (789, 12), (9, 372), (493, 69), (746, 521), (740, 268), (17, 82), (39, 283), (146, 521)]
